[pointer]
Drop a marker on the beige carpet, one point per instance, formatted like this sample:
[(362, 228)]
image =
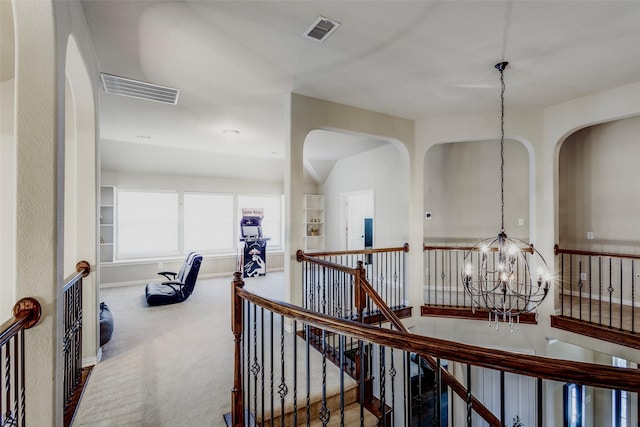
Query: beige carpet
[(173, 365), (165, 366)]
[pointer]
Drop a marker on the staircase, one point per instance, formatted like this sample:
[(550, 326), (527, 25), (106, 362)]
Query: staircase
[(330, 379), (351, 412)]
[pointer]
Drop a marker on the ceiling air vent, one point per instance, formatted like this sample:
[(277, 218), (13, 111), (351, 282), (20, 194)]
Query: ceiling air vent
[(321, 29), (137, 89)]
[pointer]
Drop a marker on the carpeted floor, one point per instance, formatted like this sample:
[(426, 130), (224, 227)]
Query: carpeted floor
[(166, 366)]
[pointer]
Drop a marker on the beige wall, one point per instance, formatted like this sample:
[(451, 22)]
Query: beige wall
[(462, 191), (305, 114), (598, 190), (42, 33)]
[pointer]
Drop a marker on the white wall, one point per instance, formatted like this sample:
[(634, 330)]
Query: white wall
[(382, 171)]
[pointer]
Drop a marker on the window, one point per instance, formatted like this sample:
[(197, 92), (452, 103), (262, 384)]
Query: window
[(168, 223), (147, 223), (271, 223), (573, 405), (208, 222), (620, 400)]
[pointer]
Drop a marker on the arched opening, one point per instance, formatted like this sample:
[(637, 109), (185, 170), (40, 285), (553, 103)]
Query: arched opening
[(599, 199), (80, 218), (364, 182), (462, 191)]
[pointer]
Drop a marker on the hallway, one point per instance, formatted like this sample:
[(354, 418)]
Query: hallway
[(168, 365)]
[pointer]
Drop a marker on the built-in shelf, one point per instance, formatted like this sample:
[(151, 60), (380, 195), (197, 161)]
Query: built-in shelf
[(107, 223), (314, 231)]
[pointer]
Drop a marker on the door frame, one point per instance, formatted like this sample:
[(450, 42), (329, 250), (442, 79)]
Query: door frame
[(369, 212)]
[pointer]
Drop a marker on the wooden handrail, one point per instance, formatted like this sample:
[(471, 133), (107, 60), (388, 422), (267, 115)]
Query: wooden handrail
[(557, 250), (404, 248), (447, 377), (590, 374), (528, 249), (301, 256), (364, 287), (26, 314), (83, 268)]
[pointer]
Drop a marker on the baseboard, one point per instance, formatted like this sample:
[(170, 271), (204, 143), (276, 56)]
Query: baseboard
[(203, 276), (93, 360)]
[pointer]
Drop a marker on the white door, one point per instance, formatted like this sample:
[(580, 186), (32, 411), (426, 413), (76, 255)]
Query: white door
[(357, 207)]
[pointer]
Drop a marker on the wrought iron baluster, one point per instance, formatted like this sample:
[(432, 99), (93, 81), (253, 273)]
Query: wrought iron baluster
[(437, 395), (308, 375), (271, 373), (468, 395), (633, 295), (294, 337), (621, 292), (450, 290), (457, 275), (429, 285), (580, 284), (283, 390), (502, 399), (600, 290), (590, 289), (383, 384), (16, 383), (342, 368), (562, 285), (255, 366), (324, 414), (262, 379), (610, 289)]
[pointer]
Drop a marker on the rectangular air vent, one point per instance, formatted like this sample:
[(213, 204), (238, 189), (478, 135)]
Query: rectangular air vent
[(321, 29), (137, 89)]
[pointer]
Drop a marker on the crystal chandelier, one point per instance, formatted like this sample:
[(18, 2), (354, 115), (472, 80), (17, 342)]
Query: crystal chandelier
[(507, 277)]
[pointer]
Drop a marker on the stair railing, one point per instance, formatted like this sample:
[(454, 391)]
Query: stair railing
[(26, 314), (385, 268), (251, 312), (72, 340), (365, 296)]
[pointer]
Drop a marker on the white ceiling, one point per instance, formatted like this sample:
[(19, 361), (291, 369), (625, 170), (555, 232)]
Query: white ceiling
[(235, 61)]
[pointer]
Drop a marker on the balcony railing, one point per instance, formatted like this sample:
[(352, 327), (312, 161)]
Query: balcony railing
[(444, 294), (598, 295), (280, 380), (329, 290), (26, 314), (73, 378)]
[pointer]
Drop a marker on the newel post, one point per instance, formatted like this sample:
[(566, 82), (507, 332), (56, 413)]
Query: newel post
[(362, 361), (359, 294), (237, 410)]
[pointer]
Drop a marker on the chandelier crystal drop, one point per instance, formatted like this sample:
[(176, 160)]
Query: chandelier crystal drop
[(508, 277)]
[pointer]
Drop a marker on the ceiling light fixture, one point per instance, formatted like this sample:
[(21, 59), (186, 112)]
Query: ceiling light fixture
[(508, 277)]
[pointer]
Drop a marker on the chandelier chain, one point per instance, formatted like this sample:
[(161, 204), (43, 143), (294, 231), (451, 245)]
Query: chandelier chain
[(502, 88)]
